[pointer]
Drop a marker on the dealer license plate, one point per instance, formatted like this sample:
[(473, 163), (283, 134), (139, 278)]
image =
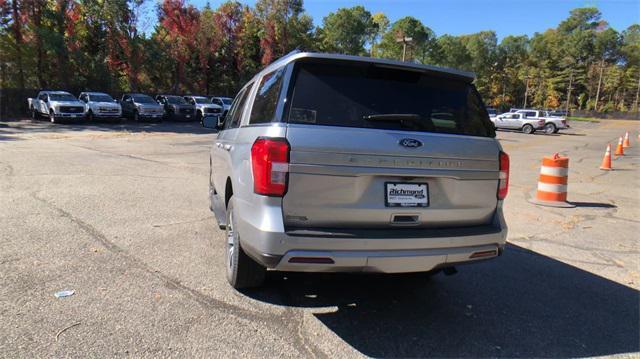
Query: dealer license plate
[(406, 194)]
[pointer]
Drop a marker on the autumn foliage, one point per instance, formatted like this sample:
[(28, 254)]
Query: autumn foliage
[(172, 46)]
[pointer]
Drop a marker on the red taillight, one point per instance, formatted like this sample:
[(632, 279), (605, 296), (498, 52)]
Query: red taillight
[(270, 165), (503, 183)]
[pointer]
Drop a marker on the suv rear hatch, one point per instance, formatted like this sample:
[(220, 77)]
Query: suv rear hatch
[(381, 147)]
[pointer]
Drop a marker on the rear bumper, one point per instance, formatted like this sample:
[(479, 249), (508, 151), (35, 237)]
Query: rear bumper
[(384, 250)]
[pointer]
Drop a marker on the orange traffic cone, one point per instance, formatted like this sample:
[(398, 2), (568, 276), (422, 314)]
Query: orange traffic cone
[(606, 161), (626, 143), (619, 149)]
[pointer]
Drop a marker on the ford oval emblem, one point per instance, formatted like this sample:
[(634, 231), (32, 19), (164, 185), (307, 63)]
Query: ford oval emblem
[(410, 143)]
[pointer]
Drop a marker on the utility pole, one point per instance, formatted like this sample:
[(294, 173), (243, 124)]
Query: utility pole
[(637, 93), (526, 93), (569, 91), (404, 40), (595, 107)]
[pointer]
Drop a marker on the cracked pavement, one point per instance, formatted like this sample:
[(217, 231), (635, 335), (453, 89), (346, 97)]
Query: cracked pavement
[(119, 213)]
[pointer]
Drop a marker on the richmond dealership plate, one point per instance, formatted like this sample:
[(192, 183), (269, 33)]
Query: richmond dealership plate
[(406, 194)]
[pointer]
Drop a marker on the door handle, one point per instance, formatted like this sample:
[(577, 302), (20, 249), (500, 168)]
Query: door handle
[(218, 144), (227, 147)]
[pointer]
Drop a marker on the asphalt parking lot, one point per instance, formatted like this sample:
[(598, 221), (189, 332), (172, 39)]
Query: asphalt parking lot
[(119, 214)]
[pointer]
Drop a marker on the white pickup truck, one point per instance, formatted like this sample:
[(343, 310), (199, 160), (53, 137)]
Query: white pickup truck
[(552, 124), (56, 105), (518, 121), (99, 105)]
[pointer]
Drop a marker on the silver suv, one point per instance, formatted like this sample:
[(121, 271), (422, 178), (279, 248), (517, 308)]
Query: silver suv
[(333, 163)]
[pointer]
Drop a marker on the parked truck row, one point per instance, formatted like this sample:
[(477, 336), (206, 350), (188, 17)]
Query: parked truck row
[(61, 105)]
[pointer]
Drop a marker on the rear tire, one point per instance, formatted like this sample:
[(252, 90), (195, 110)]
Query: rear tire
[(136, 117), (528, 129), (549, 128), (34, 114), (242, 271), (90, 116)]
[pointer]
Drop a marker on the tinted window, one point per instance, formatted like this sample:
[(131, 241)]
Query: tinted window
[(235, 114), (101, 98), (201, 100), (61, 97), (176, 100), (143, 99), (227, 101), (264, 105), (355, 95)]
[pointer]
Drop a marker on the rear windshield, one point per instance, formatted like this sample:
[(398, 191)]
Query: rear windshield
[(369, 96)]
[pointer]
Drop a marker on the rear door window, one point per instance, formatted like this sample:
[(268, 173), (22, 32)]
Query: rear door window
[(369, 96), (266, 101), (235, 113)]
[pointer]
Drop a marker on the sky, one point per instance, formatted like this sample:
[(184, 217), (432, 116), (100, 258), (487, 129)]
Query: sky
[(458, 17)]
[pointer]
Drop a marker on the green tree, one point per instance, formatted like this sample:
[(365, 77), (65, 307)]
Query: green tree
[(381, 22), (347, 30), (420, 46)]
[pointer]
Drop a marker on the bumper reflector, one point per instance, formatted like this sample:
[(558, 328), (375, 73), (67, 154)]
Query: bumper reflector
[(491, 253), (314, 260)]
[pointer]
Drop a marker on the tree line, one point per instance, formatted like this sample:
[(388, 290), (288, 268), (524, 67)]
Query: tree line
[(583, 63)]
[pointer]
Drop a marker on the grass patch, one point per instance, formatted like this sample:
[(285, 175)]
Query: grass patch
[(583, 119)]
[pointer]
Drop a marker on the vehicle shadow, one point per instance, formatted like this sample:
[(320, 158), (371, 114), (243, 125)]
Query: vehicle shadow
[(520, 305), (40, 126)]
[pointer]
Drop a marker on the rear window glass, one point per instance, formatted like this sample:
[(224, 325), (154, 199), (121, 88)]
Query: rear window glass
[(369, 96)]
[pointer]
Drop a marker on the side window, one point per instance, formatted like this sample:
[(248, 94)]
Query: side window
[(264, 105), (43, 97), (235, 114), (125, 98)]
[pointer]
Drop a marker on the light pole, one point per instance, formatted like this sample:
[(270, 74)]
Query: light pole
[(404, 40)]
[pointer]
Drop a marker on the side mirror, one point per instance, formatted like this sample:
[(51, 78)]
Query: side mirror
[(212, 122)]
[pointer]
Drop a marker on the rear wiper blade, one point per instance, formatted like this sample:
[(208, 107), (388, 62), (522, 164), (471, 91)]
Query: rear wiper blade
[(393, 117)]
